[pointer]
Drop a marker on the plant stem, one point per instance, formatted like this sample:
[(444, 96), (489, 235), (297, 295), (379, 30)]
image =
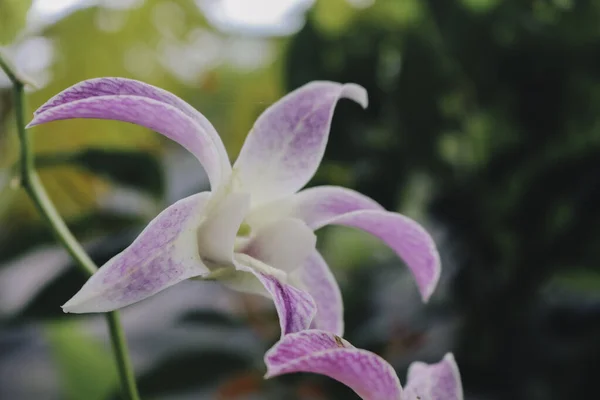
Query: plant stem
[(34, 188)]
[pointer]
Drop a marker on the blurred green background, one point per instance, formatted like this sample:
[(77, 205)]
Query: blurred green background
[(483, 125)]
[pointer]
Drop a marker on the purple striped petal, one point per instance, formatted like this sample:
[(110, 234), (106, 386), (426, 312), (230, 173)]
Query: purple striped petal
[(320, 352), (157, 115), (409, 240), (439, 381), (296, 308), (165, 253), (324, 205), (316, 278), (286, 144)]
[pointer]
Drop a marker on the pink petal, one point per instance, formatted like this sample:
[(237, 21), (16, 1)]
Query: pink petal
[(439, 381), (165, 253), (286, 144), (175, 122), (324, 205), (317, 206), (316, 278), (320, 352), (407, 238), (296, 308), (122, 86)]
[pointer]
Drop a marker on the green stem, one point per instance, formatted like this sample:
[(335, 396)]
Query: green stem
[(34, 188)]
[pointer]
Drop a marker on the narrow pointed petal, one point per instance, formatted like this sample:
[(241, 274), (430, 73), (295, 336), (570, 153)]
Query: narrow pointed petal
[(320, 352), (152, 114), (325, 205), (315, 206), (286, 144), (284, 244), (295, 308), (112, 86), (439, 381), (316, 278), (409, 240), (164, 254)]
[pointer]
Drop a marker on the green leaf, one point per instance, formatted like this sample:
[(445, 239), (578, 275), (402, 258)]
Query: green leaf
[(87, 369)]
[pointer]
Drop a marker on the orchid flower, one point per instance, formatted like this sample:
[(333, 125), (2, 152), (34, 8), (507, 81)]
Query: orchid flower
[(254, 230), (369, 375)]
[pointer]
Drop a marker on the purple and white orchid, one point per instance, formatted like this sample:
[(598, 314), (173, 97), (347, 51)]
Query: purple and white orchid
[(254, 230), (369, 375)]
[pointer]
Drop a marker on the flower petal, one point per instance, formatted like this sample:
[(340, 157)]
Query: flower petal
[(296, 308), (166, 252), (286, 144), (110, 86), (315, 206), (407, 238), (217, 233), (316, 278), (439, 381), (157, 115), (324, 205), (320, 352), (284, 244)]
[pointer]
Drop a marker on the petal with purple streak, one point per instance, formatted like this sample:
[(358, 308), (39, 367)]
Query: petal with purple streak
[(409, 240), (320, 352), (165, 253), (285, 147), (325, 205), (296, 308), (153, 114), (315, 206), (316, 278), (111, 86), (439, 381)]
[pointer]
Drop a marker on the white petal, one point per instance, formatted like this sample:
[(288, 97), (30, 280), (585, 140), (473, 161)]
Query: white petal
[(284, 244), (216, 235)]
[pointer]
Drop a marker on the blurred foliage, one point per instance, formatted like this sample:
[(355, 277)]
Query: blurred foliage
[(12, 18), (143, 42), (88, 369), (482, 124)]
